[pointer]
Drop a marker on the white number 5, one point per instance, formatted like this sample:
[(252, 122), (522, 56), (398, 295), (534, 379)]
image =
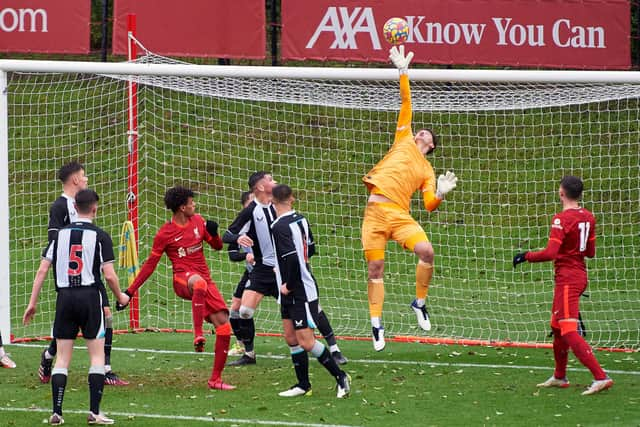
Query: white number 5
[(584, 234)]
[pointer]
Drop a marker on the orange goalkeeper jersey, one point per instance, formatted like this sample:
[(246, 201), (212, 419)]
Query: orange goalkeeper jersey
[(404, 169)]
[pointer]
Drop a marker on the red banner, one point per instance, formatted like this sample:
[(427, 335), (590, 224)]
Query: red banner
[(45, 26), (202, 28), (582, 34)]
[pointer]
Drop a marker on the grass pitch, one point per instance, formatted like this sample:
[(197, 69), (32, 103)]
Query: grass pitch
[(407, 384)]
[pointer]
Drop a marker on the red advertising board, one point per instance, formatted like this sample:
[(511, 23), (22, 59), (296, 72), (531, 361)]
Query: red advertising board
[(45, 26), (581, 34), (200, 28)]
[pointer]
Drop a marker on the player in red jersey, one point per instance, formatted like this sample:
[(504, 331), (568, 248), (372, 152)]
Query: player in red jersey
[(181, 239), (572, 237)]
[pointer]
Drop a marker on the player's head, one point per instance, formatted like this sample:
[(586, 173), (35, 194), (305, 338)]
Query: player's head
[(177, 198), (86, 202), (571, 187), (73, 174), (426, 140), (245, 198), (283, 195), (261, 182)]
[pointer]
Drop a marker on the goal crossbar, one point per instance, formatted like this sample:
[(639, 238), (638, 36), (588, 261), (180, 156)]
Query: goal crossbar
[(321, 73)]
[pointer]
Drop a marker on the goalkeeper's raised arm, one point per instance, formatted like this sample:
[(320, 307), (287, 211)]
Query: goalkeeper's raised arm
[(391, 184)]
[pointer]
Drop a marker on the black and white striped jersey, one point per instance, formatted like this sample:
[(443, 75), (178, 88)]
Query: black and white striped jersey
[(294, 245), (255, 221), (77, 254), (61, 213)]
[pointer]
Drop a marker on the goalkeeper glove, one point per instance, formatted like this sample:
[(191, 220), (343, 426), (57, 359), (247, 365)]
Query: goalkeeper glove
[(397, 56), (446, 183), (212, 227), (120, 307), (519, 258)]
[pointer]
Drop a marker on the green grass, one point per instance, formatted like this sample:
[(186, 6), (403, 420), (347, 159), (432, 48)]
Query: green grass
[(406, 384)]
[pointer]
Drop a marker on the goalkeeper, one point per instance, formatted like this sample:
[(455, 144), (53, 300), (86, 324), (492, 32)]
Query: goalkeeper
[(391, 183)]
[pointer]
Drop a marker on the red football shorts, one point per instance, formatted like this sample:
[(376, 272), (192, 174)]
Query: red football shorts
[(566, 307), (214, 301)]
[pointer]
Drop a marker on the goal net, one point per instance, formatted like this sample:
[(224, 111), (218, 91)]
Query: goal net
[(509, 143)]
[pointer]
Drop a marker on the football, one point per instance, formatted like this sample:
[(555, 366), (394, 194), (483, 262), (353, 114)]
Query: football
[(396, 31)]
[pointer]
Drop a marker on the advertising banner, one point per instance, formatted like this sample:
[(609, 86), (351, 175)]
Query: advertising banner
[(196, 28), (579, 34), (44, 26)]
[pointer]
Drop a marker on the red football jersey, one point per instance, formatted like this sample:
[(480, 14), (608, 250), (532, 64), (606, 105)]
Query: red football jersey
[(572, 237), (183, 245)]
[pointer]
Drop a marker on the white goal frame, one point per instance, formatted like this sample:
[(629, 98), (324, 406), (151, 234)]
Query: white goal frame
[(317, 73)]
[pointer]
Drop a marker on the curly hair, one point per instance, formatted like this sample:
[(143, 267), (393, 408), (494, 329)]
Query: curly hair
[(176, 197)]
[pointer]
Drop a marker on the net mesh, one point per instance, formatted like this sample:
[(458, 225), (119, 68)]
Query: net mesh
[(509, 144)]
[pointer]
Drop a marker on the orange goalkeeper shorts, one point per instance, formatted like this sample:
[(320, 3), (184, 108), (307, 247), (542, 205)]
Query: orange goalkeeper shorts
[(387, 221)]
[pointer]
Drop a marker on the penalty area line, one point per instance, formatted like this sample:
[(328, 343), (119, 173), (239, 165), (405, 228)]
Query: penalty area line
[(208, 419)]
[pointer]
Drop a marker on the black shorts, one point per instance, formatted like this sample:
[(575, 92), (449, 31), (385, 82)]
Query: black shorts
[(105, 298), (300, 313), (262, 279), (79, 308), (243, 283)]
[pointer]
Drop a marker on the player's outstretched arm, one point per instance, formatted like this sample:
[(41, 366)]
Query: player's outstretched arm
[(147, 269), (401, 61), (547, 254)]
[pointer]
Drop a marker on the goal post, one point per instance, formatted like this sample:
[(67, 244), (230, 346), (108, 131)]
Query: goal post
[(5, 283), (509, 136)]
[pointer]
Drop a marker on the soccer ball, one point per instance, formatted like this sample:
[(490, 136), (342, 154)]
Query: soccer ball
[(396, 31)]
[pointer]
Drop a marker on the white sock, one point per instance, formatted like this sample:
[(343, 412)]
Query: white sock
[(420, 302), (334, 348), (2, 353), (375, 322)]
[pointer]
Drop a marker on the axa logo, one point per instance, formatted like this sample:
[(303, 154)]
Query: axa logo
[(21, 20), (345, 25)]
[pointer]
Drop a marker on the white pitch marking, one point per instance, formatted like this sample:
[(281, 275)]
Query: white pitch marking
[(181, 418), (371, 361)]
